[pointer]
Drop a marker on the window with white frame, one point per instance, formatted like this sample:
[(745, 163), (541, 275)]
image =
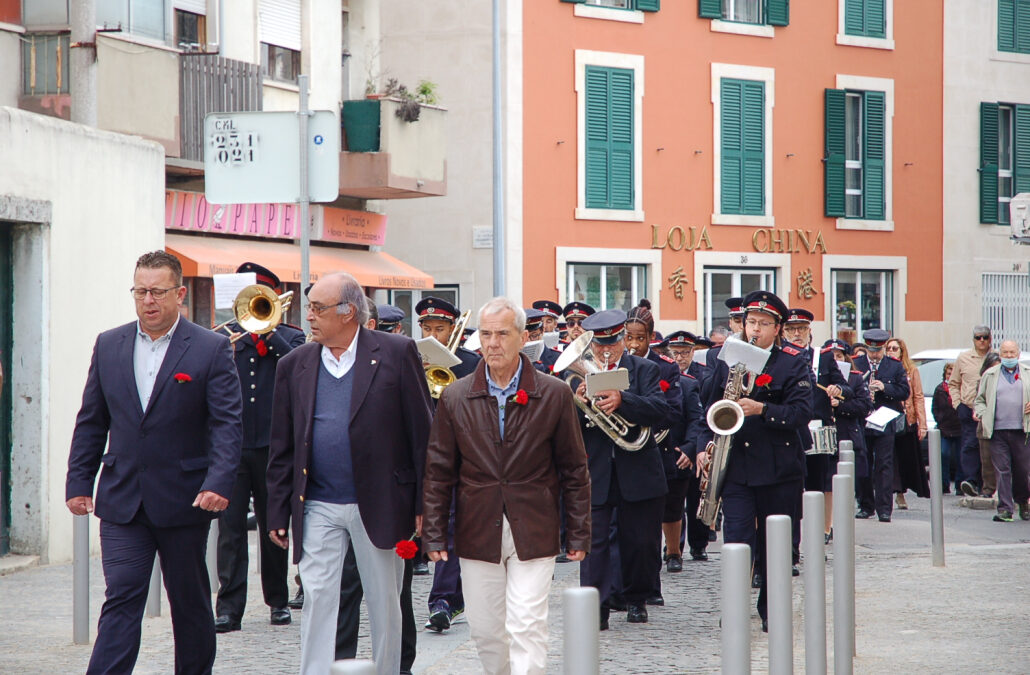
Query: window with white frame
[(279, 63), (616, 4), (405, 300), (722, 283), (606, 286), (862, 299), (743, 11), (1005, 162)]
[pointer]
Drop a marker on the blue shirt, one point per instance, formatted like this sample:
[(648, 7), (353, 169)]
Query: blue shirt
[(147, 356), (502, 395)]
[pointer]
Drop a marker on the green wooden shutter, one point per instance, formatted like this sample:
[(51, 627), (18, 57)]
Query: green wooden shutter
[(647, 5), (709, 9), (1022, 26), (874, 153), (988, 162), (1021, 149), (730, 146), (833, 167), (620, 114), (1007, 25), (854, 17), (875, 18), (596, 137), (742, 145), (754, 148), (777, 12)]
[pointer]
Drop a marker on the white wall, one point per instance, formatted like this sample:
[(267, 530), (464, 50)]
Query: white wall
[(973, 72), (104, 196), (10, 64)]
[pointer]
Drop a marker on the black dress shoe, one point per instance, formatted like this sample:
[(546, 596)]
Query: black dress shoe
[(698, 554), (828, 536), (756, 580), (794, 571), (226, 624), (636, 614), (885, 519), (298, 600), (863, 514), (765, 625), (712, 536), (656, 601), (439, 621), (617, 603), (420, 568), (280, 616), (674, 564)]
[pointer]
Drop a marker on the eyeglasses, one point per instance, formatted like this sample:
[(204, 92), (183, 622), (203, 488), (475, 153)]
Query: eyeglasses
[(753, 323), (573, 322), (320, 309), (893, 348), (155, 293), (982, 337)]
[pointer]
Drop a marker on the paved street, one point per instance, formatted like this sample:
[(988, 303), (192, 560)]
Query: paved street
[(912, 617)]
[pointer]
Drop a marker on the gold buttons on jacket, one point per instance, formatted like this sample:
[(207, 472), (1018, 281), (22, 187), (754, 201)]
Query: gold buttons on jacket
[(305, 472), (302, 498)]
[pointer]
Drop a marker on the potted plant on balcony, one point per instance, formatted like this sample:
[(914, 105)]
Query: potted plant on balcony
[(361, 118)]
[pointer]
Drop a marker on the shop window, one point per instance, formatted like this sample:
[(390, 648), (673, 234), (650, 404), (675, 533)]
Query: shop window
[(1004, 158), (724, 283), (279, 63), (606, 286), (406, 301), (1014, 26), (862, 299)]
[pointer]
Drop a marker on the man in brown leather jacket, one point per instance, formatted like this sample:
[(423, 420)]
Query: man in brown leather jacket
[(508, 438)]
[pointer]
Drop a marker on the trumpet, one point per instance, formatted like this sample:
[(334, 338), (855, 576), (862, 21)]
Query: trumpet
[(578, 359), (439, 378), (257, 309)]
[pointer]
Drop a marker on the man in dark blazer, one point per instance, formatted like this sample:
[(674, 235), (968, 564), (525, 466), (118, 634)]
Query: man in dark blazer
[(632, 483), (163, 395), (350, 422)]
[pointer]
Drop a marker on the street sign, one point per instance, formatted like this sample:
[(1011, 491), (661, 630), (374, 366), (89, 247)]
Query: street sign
[(254, 157)]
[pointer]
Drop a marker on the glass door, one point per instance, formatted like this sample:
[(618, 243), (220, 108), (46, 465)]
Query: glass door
[(730, 282)]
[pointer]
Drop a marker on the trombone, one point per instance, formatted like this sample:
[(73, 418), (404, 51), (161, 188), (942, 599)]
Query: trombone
[(438, 377), (257, 309)]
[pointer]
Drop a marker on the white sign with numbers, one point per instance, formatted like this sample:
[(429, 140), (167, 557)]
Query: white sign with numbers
[(254, 157)]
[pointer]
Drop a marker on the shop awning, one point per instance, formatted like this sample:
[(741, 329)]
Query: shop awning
[(206, 256)]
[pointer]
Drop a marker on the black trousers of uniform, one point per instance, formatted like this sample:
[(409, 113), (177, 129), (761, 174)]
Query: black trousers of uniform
[(232, 541), (745, 509), (881, 450), (349, 615)]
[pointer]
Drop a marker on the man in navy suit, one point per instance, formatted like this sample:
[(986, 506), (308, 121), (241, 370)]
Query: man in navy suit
[(163, 395), (350, 422)]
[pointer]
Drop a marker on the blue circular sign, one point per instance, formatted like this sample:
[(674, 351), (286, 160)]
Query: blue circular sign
[(319, 139)]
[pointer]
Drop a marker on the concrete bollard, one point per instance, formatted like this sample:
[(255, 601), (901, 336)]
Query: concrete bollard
[(846, 469), (778, 549), (815, 582), (581, 609), (736, 609), (353, 667), (936, 499), (80, 580), (154, 594), (212, 555), (846, 453), (843, 574)]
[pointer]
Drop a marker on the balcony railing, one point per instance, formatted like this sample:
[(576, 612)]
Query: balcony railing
[(209, 83)]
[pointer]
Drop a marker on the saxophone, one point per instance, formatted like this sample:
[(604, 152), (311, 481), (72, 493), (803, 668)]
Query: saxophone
[(724, 418)]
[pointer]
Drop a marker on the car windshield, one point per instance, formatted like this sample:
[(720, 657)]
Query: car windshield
[(931, 372)]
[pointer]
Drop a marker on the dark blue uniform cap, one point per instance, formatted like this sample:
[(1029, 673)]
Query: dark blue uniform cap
[(436, 308), (659, 342), (682, 338), (702, 341), (839, 345), (534, 318), (577, 309), (389, 316), (264, 275), (875, 337), (799, 315), (735, 305), (767, 302), (549, 307), (607, 325)]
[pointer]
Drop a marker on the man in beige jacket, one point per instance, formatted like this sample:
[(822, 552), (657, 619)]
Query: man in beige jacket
[(1003, 406), (965, 377)]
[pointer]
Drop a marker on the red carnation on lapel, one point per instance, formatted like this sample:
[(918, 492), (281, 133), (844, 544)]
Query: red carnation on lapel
[(182, 377), (406, 549), (763, 380), (521, 397), (262, 348), (664, 385)]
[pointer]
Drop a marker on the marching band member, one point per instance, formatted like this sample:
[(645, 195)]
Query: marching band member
[(736, 318), (389, 319), (575, 313), (552, 312)]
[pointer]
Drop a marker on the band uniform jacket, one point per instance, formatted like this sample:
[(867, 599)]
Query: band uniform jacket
[(829, 374), (850, 418), (640, 473), (765, 450), (521, 475), (390, 417), (669, 383), (685, 432), (895, 392), (469, 361), (697, 371), (187, 440), (257, 377)]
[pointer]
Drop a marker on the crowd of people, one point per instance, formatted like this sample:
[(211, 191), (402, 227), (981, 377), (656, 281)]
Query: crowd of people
[(565, 435)]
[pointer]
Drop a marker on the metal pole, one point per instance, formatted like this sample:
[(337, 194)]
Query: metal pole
[(582, 618), (211, 555), (847, 451), (80, 580), (154, 594), (936, 499), (353, 667), (303, 115), (498, 222), (815, 582), (736, 612), (848, 469), (777, 582), (843, 574), (83, 62)]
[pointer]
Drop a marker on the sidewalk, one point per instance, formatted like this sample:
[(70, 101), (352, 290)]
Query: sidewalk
[(912, 617)]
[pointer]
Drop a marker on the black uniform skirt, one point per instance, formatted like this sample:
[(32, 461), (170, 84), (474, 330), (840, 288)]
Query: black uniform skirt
[(819, 474)]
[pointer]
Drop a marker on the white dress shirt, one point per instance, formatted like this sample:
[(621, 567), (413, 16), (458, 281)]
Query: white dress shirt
[(147, 357), (338, 367)]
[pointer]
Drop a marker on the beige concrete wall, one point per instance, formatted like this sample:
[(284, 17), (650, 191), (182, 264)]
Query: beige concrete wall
[(417, 149), (103, 194), (10, 66), (974, 72)]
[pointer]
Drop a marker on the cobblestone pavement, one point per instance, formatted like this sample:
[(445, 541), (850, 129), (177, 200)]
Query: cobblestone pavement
[(912, 618)]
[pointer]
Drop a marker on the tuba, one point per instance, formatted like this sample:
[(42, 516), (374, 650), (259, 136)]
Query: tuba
[(439, 378), (257, 309), (577, 358), (724, 418)]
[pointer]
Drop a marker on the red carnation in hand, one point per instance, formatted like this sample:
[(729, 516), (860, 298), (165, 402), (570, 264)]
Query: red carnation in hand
[(521, 397), (664, 385), (182, 377), (262, 348), (406, 549), (763, 380)]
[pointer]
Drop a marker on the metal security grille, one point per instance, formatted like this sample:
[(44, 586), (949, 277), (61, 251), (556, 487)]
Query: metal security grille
[(1006, 306)]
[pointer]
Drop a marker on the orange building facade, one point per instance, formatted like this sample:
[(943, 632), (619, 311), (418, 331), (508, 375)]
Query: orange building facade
[(707, 149)]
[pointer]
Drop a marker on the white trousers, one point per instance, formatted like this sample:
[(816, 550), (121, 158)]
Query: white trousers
[(329, 530), (506, 605)]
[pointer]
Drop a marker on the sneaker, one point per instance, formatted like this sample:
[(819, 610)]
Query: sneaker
[(969, 490), (1003, 517), (1024, 511), (457, 615), (439, 621)]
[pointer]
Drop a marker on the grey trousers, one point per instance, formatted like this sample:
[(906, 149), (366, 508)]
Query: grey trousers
[(1010, 454), (329, 530)]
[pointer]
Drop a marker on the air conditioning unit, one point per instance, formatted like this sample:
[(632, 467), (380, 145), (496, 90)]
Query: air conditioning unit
[(1019, 217)]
